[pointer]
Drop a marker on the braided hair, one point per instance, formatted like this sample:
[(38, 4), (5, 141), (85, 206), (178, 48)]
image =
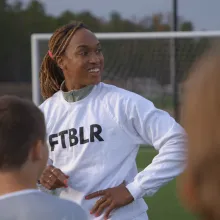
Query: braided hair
[(51, 75)]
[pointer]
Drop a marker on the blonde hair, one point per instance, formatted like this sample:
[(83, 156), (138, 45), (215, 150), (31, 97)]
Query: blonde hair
[(201, 120)]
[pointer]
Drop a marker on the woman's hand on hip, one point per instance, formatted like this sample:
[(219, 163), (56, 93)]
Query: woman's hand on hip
[(111, 198)]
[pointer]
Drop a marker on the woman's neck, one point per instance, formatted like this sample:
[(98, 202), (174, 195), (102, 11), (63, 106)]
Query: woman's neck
[(68, 86)]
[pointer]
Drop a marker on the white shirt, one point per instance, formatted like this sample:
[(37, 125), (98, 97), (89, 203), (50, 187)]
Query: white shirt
[(96, 140)]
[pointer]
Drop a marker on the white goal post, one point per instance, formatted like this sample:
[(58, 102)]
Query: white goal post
[(36, 38)]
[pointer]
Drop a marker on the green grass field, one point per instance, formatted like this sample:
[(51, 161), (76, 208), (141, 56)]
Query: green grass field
[(164, 205)]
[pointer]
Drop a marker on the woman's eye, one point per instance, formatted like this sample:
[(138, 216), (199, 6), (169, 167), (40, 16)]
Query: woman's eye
[(84, 53), (99, 50)]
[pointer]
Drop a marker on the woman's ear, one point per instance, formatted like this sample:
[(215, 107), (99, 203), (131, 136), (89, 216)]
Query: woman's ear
[(61, 62)]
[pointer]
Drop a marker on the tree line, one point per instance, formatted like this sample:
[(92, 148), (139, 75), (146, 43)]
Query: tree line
[(123, 58)]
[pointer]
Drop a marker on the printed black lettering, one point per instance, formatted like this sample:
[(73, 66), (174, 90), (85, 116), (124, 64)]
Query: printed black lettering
[(76, 136), (81, 136), (53, 142), (72, 137), (95, 131), (62, 136)]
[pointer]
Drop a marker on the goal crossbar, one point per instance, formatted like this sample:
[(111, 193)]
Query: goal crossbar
[(142, 35)]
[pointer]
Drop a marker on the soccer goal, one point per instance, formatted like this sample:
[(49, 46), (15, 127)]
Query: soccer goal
[(146, 63)]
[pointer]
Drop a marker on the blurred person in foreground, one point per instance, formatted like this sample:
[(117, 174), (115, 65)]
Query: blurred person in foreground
[(23, 156), (95, 130), (199, 186)]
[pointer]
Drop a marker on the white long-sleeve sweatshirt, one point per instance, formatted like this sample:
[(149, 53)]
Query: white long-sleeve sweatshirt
[(96, 140)]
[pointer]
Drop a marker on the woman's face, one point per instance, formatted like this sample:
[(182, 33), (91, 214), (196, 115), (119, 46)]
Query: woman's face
[(83, 61)]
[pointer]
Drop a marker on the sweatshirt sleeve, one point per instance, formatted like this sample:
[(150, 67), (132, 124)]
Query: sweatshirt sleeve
[(149, 125)]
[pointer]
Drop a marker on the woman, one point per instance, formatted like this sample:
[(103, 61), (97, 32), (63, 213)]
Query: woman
[(200, 183), (95, 129)]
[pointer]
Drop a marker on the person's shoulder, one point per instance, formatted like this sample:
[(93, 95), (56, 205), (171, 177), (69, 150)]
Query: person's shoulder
[(53, 99), (68, 207), (112, 92), (74, 210), (41, 205), (112, 88)]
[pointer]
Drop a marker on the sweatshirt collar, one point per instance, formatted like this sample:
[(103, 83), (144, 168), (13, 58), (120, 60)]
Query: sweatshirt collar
[(75, 95)]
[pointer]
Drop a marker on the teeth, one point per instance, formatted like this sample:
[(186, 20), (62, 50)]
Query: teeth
[(95, 70)]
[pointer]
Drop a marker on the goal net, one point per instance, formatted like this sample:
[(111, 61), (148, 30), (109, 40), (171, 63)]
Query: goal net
[(145, 63)]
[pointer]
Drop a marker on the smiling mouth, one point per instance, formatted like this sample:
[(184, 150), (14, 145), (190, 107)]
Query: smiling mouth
[(94, 71)]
